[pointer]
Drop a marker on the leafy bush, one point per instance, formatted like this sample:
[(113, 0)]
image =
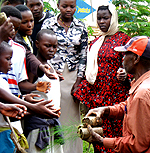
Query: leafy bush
[(133, 16)]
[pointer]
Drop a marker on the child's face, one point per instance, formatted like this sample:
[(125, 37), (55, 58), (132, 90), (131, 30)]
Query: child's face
[(5, 60), (27, 23), (47, 46), (67, 8)]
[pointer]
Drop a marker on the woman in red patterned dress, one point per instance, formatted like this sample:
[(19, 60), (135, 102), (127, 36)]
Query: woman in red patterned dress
[(101, 86)]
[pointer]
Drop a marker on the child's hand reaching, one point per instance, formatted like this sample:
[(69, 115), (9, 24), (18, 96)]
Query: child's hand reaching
[(30, 98), (43, 86), (13, 110), (60, 75), (46, 69)]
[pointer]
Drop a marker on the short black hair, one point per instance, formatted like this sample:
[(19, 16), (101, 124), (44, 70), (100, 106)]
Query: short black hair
[(103, 8), (43, 31), (28, 0), (16, 1), (11, 11), (59, 1), (3, 46), (22, 8)]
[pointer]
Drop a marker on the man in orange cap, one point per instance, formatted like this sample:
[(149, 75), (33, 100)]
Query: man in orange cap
[(135, 111)]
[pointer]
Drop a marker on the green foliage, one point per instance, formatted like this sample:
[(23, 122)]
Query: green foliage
[(1, 1), (133, 16), (48, 6), (90, 31), (87, 148)]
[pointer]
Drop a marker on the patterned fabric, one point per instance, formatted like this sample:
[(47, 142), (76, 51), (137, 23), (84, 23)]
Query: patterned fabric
[(106, 90), (72, 45), (12, 81)]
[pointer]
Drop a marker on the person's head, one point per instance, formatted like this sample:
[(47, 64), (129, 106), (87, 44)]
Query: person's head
[(107, 17), (5, 57), (36, 7), (13, 2), (67, 8), (46, 42), (14, 15), (137, 51), (27, 22)]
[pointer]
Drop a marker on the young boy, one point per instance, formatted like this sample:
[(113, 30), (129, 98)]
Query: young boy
[(5, 65), (11, 110), (46, 43)]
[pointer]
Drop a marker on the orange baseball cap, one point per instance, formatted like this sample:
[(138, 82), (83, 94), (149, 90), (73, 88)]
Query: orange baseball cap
[(139, 45)]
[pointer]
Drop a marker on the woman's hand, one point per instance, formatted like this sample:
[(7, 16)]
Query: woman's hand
[(43, 86), (75, 86), (121, 74)]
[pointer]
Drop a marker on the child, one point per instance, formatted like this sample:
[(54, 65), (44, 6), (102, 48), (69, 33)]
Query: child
[(5, 65), (26, 27), (70, 60), (46, 42)]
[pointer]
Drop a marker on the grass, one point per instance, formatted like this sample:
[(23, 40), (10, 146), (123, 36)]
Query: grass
[(86, 148), (71, 136)]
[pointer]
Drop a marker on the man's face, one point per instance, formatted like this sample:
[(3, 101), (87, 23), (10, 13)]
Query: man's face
[(36, 7), (128, 62)]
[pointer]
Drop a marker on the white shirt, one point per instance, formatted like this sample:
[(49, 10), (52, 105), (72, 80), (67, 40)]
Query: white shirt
[(54, 93)]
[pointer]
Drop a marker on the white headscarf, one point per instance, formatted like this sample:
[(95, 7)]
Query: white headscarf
[(92, 66)]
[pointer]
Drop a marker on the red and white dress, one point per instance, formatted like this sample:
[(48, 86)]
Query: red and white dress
[(106, 90)]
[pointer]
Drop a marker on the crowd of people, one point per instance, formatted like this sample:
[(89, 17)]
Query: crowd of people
[(47, 68)]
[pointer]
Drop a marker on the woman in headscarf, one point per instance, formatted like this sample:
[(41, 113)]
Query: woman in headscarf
[(102, 87)]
